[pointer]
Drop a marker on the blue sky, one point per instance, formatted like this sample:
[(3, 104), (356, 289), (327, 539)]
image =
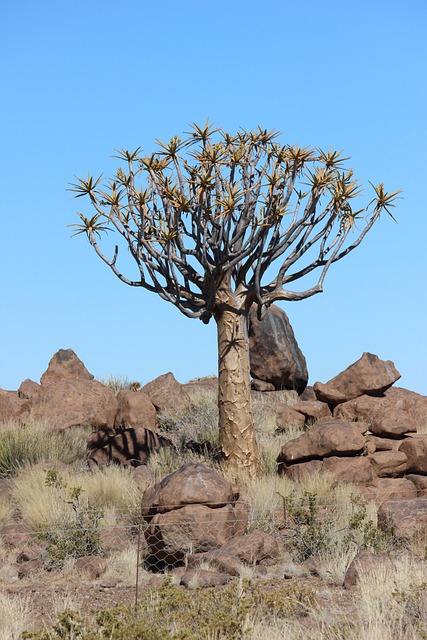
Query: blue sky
[(80, 79)]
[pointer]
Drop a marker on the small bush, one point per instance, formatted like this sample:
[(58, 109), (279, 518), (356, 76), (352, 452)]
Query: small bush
[(173, 614)]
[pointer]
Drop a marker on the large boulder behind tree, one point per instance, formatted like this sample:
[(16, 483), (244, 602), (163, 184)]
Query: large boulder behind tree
[(275, 356)]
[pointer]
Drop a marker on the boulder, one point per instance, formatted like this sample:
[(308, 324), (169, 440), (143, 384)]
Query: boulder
[(261, 385), (68, 402), (27, 389), (275, 356), (95, 566), (192, 510), (357, 470), (65, 364), (313, 410), (384, 489), (386, 416), (11, 406), (377, 443), (369, 375), (287, 418), (413, 403), (123, 446), (167, 394), (420, 483), (301, 470), (365, 562), (415, 449), (134, 409), (253, 548), (405, 518), (335, 437), (388, 464), (218, 560)]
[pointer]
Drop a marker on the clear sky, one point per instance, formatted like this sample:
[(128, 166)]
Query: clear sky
[(82, 78)]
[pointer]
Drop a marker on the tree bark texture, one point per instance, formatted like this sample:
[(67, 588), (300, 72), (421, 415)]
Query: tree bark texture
[(236, 428)]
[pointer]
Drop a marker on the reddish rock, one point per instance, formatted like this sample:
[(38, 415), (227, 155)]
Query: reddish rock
[(28, 568), (193, 509), (322, 440), (28, 389), (384, 415), (287, 418), (300, 471), (406, 518), (11, 406), (365, 562), (167, 394), (420, 483), (313, 410), (69, 402), (113, 538), (415, 449), (357, 470), (14, 534), (275, 356), (253, 548), (65, 364), (413, 403), (261, 385), (123, 446), (390, 489), (369, 375), (382, 444), (135, 409), (143, 475), (93, 565), (29, 552), (388, 464)]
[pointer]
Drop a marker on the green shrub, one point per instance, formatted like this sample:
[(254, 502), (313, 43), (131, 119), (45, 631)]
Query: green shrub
[(81, 536)]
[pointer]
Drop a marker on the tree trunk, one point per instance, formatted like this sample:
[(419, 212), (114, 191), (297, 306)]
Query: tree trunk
[(236, 429)]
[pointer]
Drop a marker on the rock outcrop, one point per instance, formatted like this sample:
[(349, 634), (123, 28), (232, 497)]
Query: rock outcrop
[(275, 356)]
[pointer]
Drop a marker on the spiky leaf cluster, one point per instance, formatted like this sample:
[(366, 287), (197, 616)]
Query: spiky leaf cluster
[(213, 205)]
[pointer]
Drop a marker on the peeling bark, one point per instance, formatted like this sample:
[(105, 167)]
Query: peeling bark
[(236, 429)]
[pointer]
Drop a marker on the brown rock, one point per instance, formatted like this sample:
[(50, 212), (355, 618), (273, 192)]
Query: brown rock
[(274, 353), (369, 375), (14, 534), (261, 385), (28, 568), (135, 409), (388, 464), (253, 548), (313, 409), (28, 389), (300, 471), (143, 476), (336, 437), (413, 403), (11, 406), (406, 518), (201, 578), (357, 470), (29, 552), (93, 565), (384, 415), (123, 446), (167, 394), (383, 444), (192, 510), (365, 562), (287, 418), (69, 402), (390, 489), (65, 364), (420, 483), (415, 449)]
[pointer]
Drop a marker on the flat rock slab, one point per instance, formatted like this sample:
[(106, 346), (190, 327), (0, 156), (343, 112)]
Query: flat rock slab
[(369, 375)]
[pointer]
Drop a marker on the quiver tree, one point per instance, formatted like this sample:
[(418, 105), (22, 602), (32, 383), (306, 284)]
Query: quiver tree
[(216, 223)]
